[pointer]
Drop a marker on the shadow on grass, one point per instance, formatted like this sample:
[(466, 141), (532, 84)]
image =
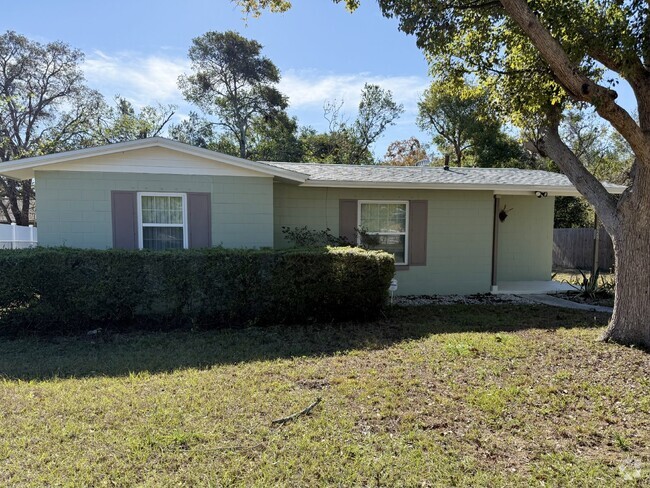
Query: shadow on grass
[(122, 354)]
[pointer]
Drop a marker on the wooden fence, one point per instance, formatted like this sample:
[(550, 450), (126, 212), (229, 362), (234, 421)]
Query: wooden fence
[(574, 249)]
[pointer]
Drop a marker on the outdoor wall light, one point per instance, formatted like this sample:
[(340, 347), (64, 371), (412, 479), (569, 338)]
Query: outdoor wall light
[(540, 194), (503, 214)]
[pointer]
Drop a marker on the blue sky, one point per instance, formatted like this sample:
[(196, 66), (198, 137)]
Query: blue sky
[(138, 48)]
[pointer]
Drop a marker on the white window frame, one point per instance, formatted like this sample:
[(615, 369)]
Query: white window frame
[(141, 225), (406, 229)]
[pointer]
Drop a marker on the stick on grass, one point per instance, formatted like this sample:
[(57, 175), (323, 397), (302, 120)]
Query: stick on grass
[(294, 416)]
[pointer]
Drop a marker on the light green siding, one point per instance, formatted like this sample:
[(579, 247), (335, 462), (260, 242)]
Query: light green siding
[(526, 239), (74, 208), (459, 232)]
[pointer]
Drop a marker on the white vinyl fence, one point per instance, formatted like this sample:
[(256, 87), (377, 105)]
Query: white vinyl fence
[(14, 236)]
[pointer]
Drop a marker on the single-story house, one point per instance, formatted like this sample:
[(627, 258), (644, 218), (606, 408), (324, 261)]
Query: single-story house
[(452, 230)]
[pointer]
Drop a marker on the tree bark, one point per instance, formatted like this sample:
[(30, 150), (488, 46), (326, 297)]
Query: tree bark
[(242, 142), (26, 202), (630, 323), (459, 154)]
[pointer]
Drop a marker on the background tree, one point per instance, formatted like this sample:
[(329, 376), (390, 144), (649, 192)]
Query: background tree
[(122, 123), (539, 58), (273, 139), (600, 149), (338, 146), (350, 143), (572, 212), (407, 152), (232, 81), (465, 125), (276, 139), (603, 151), (195, 131), (44, 107), (377, 112), (454, 113)]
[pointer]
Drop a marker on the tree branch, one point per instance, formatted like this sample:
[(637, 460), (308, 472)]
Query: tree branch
[(586, 183), (578, 85), (472, 5), (294, 416)]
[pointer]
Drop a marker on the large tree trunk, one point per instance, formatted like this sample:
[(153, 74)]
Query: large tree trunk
[(630, 323)]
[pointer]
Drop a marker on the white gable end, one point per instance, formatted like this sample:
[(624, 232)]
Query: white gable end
[(154, 155), (154, 160)]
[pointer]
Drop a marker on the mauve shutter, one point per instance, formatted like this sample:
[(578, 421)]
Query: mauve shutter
[(348, 220), (199, 220), (418, 232), (124, 211)]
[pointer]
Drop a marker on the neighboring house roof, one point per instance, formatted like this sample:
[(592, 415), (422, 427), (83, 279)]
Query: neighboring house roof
[(376, 176), (23, 169)]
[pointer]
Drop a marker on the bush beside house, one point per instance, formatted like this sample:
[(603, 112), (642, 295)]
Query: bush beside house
[(61, 290)]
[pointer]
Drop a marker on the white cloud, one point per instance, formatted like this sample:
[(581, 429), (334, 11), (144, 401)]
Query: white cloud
[(153, 78), (142, 79), (309, 88)]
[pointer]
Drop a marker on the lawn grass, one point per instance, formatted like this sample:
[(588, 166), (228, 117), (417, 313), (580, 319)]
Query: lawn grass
[(429, 396)]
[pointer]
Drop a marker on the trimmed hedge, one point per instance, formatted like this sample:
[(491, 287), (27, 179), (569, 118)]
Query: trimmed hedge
[(62, 290)]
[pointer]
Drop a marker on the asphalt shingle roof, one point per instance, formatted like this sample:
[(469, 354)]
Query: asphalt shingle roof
[(485, 177)]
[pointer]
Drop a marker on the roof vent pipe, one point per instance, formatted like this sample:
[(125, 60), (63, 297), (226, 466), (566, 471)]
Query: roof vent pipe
[(446, 162)]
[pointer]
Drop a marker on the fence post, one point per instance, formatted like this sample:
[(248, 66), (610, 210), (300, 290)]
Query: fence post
[(13, 235), (594, 264), (31, 234)]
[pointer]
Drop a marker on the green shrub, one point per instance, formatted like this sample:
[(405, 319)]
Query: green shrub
[(61, 290)]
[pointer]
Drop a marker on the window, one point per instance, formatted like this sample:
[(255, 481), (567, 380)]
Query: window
[(162, 219), (384, 226)]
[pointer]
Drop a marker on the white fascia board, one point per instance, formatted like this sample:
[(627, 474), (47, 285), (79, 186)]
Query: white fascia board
[(500, 189), (24, 168)]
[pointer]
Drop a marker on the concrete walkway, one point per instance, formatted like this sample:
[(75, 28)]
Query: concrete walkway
[(532, 287), (560, 302)]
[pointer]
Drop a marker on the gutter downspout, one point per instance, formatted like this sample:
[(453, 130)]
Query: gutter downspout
[(495, 244)]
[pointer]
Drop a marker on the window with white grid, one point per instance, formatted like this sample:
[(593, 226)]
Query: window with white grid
[(383, 225), (162, 220)]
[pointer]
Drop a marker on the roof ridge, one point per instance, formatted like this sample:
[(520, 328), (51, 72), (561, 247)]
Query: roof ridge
[(386, 166)]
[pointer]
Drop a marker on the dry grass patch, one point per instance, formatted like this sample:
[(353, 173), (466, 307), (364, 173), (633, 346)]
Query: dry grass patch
[(430, 396)]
